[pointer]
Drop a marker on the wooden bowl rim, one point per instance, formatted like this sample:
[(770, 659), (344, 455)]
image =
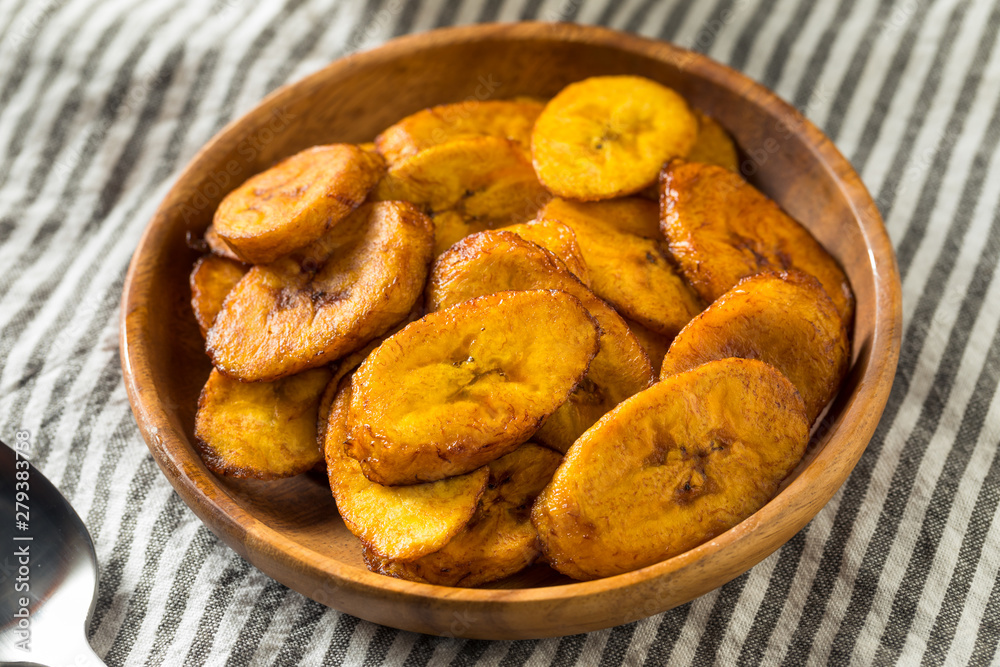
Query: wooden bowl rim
[(265, 547)]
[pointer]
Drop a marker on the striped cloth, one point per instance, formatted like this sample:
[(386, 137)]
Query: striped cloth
[(103, 101)]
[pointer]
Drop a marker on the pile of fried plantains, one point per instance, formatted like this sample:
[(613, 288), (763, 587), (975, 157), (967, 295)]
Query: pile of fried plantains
[(520, 331)]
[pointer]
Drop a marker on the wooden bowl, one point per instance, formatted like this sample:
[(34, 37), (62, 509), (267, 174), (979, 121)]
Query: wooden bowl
[(290, 529)]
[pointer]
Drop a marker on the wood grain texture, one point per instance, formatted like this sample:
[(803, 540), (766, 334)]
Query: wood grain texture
[(290, 529)]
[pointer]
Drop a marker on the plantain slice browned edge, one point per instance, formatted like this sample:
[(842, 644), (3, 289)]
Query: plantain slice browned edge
[(499, 540), (608, 136), (511, 120), (296, 201), (498, 260), (630, 267), (655, 344), (465, 385), (212, 278), (785, 319), (672, 467), (398, 522), (264, 430), (714, 145), (721, 230), (557, 238), (219, 247), (467, 186), (327, 300)]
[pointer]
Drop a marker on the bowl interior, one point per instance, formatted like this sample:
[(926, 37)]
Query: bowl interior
[(351, 101)]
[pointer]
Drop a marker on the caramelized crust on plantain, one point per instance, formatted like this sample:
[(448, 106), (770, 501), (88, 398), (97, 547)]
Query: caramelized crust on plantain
[(672, 467), (295, 202), (511, 120), (498, 260), (326, 300), (219, 247), (398, 522), (721, 230), (608, 136), (630, 266), (264, 430), (785, 319), (466, 385), (212, 278), (467, 186), (499, 540)]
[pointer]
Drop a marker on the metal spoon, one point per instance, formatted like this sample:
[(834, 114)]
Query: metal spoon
[(48, 571)]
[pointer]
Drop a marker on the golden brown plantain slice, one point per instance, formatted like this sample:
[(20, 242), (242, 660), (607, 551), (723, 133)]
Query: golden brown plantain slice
[(467, 185), (557, 238), (462, 120), (629, 265), (265, 430), (655, 345), (498, 260), (672, 467), (296, 201), (721, 230), (714, 145), (219, 247), (785, 319), (608, 136), (326, 300), (466, 385), (399, 522), (499, 540), (212, 278)]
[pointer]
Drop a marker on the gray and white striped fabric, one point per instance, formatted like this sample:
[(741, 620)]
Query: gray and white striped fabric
[(103, 101)]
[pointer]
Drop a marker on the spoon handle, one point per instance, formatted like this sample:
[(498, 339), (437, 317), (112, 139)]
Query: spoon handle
[(81, 655), (69, 652), (66, 652), (45, 620)]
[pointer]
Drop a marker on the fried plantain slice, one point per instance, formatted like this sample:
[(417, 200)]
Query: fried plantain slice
[(785, 319), (296, 201), (655, 344), (398, 522), (721, 229), (219, 247), (511, 120), (714, 145), (494, 261), (212, 278), (499, 540), (465, 385), (629, 265), (672, 467), (467, 185), (557, 238), (608, 136), (326, 300), (264, 430)]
